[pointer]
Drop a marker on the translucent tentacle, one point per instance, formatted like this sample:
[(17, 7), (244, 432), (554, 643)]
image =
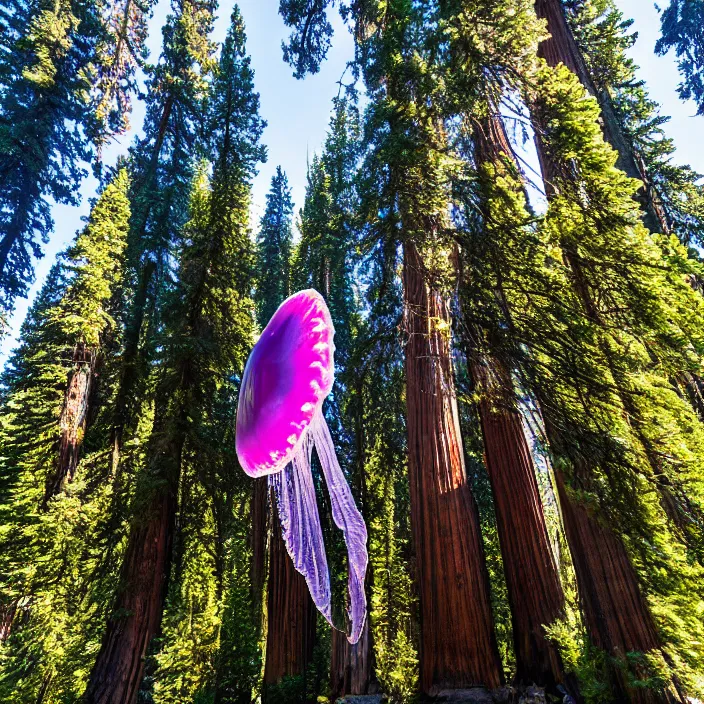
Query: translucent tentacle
[(348, 519), (300, 525)]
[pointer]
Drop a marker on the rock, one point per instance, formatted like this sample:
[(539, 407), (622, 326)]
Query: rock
[(363, 699)]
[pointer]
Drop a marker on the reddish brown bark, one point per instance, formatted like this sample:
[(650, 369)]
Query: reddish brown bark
[(73, 421), (118, 671), (534, 588), (616, 615), (458, 644), (291, 616), (535, 591), (561, 47), (351, 666)]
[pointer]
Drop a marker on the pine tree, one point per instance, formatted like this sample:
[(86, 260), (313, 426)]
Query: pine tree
[(51, 390), (681, 30), (162, 164), (208, 332), (45, 84), (120, 53), (274, 249)]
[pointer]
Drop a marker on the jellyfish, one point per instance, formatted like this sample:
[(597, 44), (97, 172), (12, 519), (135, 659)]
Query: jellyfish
[(279, 420)]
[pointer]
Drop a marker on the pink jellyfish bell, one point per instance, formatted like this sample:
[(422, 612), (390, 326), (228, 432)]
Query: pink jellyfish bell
[(279, 419)]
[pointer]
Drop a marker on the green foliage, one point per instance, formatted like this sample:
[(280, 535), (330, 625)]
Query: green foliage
[(681, 30), (46, 553), (274, 247), (44, 96), (604, 35)]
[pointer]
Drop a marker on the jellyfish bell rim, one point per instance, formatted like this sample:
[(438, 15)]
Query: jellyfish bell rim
[(307, 417)]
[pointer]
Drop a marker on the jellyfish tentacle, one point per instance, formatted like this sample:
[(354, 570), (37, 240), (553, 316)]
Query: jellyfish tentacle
[(348, 519), (300, 525)]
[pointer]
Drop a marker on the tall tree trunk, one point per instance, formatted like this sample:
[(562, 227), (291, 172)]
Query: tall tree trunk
[(73, 420), (561, 47), (525, 544), (458, 643), (130, 359), (118, 670), (291, 616), (616, 615), (534, 588), (351, 670)]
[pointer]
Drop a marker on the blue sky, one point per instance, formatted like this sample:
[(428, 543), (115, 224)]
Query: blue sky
[(297, 112)]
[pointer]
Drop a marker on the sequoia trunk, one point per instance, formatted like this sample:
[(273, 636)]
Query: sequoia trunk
[(458, 644), (534, 588), (291, 616), (351, 670), (616, 615), (118, 671), (525, 545)]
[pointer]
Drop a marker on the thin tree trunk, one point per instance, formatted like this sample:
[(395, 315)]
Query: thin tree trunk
[(291, 616), (458, 643), (129, 373), (73, 421), (259, 532)]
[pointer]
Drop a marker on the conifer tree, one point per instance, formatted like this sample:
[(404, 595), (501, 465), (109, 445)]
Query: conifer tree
[(602, 35), (274, 248), (49, 407), (162, 163), (681, 30), (291, 614), (521, 524), (207, 335), (410, 191), (120, 53), (580, 169), (45, 83)]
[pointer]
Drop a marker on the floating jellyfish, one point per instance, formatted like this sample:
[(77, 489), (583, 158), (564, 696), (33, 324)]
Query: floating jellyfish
[(279, 420)]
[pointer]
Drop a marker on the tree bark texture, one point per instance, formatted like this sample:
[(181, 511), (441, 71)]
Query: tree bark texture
[(615, 611), (534, 588), (291, 615), (458, 643), (73, 421), (118, 671), (351, 666)]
